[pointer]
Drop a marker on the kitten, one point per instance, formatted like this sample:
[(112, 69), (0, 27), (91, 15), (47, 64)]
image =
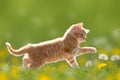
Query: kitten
[(64, 48)]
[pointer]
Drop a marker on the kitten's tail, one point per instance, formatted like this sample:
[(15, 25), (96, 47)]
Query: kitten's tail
[(19, 52)]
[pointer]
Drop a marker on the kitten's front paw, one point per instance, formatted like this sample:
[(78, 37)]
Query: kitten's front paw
[(93, 50)]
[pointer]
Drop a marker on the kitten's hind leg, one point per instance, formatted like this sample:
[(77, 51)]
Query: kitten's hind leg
[(72, 62), (26, 62), (35, 66)]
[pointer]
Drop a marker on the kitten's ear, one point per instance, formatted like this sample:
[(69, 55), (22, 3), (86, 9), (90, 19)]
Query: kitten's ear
[(87, 30), (79, 25)]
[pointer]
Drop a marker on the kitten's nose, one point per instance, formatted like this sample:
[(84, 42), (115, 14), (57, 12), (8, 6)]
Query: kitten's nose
[(84, 37)]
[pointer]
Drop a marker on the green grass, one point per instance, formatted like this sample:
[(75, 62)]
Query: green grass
[(62, 71), (33, 21)]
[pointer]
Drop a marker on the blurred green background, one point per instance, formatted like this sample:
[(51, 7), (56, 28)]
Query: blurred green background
[(23, 21), (33, 21)]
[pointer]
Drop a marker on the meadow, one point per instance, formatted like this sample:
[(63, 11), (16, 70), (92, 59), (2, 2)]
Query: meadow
[(34, 21), (100, 69)]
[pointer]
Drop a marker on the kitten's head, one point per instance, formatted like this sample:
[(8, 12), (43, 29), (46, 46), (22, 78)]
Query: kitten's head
[(77, 31)]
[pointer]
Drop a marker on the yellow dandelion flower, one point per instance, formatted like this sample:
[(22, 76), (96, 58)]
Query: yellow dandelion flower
[(44, 77), (118, 76), (110, 77), (116, 51), (3, 76), (102, 65), (15, 72)]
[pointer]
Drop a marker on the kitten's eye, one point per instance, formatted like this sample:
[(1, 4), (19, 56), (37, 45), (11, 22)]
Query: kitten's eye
[(76, 34), (81, 35)]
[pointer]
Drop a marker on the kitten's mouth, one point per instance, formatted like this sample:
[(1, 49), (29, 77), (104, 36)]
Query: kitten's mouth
[(82, 39)]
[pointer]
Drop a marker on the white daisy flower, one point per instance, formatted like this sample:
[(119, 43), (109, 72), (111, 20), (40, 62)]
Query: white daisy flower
[(88, 63), (115, 58), (103, 57)]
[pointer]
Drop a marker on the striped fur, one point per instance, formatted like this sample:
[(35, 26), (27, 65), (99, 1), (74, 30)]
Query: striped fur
[(64, 48)]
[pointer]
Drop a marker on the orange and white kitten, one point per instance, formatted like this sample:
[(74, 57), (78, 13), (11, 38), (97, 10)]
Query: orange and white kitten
[(64, 48)]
